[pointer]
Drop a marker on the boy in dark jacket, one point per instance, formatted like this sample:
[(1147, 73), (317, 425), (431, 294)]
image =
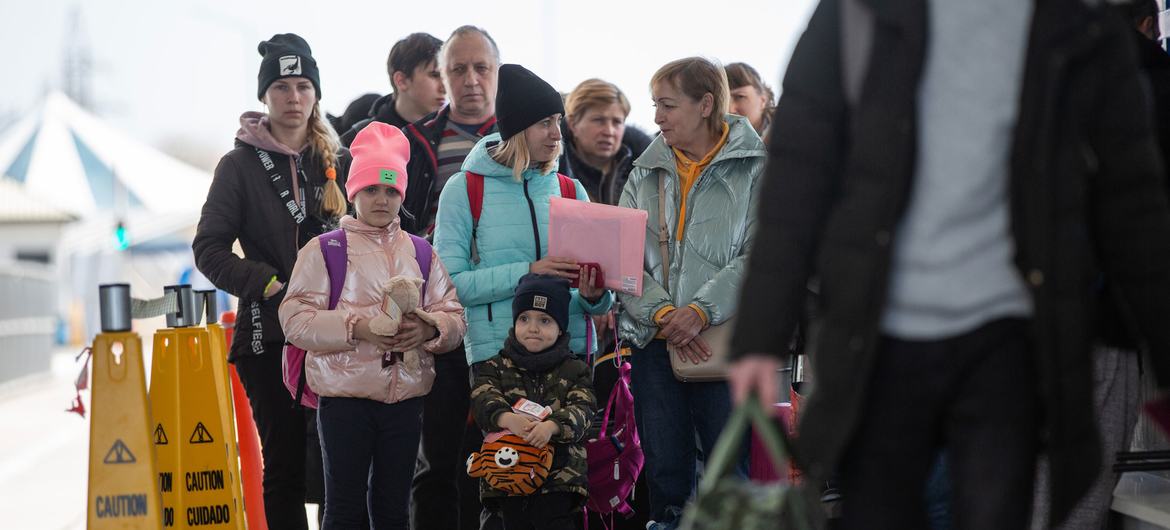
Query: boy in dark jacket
[(536, 364)]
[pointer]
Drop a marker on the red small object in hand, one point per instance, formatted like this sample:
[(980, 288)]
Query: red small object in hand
[(598, 278)]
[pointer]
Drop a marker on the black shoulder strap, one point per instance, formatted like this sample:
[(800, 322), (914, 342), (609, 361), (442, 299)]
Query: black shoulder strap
[(281, 185)]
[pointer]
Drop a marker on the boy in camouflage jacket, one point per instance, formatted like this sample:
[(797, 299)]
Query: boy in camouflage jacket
[(536, 364)]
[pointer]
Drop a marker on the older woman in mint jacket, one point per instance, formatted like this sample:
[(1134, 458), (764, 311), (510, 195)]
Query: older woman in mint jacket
[(518, 171), (710, 164)]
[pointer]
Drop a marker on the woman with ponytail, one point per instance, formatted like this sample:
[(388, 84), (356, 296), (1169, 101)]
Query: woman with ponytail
[(279, 188)]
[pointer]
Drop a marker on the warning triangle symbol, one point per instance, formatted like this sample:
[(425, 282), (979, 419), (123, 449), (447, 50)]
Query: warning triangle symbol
[(119, 454), (160, 436), (201, 436)]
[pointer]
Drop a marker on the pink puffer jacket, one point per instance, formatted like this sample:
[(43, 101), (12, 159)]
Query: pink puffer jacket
[(337, 365)]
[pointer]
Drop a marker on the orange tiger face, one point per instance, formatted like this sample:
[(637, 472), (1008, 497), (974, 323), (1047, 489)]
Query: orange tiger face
[(509, 464)]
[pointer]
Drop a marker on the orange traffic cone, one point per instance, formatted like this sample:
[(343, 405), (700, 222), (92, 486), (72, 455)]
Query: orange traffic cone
[(251, 460)]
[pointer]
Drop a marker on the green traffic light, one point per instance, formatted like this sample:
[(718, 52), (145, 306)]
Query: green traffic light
[(121, 238)]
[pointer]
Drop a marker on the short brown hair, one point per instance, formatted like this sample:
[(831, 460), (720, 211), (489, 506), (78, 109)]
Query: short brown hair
[(697, 77), (409, 53), (593, 94), (740, 75)]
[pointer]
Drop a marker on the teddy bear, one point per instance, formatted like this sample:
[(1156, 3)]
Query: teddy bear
[(400, 297), (508, 463)]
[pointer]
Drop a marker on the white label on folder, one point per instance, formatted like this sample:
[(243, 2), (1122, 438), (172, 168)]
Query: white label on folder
[(536, 410), (629, 284)]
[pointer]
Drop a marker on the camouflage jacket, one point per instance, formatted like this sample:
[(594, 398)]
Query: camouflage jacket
[(567, 389)]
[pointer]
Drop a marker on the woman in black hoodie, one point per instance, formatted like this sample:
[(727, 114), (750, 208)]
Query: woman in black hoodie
[(278, 189)]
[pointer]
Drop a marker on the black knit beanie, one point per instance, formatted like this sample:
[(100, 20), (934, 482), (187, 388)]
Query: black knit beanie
[(523, 99), (286, 55), (547, 294)]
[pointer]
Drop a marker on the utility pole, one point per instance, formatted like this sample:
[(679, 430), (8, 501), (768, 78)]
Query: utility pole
[(77, 68)]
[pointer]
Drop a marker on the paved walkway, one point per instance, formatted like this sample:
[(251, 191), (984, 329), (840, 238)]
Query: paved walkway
[(44, 451)]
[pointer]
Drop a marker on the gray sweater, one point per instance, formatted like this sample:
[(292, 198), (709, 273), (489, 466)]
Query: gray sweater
[(952, 265)]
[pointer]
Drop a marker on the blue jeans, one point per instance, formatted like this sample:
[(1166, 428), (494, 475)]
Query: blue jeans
[(671, 415), (369, 450)]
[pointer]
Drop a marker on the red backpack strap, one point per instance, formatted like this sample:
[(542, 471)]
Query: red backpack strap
[(568, 187), (475, 201), (426, 145)]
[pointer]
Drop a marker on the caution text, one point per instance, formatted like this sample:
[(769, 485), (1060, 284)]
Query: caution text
[(120, 505), (205, 480), (208, 515)]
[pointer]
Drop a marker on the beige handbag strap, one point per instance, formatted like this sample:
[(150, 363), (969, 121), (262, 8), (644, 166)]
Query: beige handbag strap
[(663, 233)]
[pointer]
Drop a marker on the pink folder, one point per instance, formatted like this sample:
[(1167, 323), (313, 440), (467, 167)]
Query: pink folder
[(611, 236)]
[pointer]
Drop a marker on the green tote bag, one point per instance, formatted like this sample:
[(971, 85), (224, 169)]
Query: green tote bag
[(726, 501)]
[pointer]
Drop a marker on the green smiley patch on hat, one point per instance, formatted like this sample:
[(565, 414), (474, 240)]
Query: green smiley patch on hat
[(388, 176)]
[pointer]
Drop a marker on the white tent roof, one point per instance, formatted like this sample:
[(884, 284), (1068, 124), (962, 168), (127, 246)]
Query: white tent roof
[(60, 147)]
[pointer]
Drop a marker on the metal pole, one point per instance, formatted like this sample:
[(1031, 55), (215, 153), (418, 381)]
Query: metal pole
[(114, 307), (209, 306), (186, 315)]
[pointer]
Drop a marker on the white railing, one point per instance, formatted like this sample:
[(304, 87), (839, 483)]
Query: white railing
[(28, 320)]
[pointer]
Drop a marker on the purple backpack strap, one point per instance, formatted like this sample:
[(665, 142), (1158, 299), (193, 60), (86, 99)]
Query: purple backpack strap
[(422, 254), (333, 246)]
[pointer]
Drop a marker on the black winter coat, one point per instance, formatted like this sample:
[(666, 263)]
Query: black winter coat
[(1156, 65), (605, 189), (1086, 200), (381, 110), (424, 136), (243, 205)]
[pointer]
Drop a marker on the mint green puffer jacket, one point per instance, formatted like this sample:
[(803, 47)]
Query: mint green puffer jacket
[(708, 265)]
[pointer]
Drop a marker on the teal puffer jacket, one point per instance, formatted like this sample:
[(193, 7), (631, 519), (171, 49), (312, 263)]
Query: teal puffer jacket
[(507, 245), (708, 265)]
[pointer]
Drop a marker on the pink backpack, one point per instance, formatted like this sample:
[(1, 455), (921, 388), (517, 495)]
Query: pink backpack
[(615, 458), (333, 246)]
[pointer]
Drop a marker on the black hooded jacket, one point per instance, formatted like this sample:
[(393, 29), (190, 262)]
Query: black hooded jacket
[(381, 110)]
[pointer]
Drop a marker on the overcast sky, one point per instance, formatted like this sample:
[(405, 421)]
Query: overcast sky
[(182, 71)]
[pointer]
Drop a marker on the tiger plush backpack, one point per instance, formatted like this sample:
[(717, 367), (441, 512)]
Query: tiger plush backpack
[(508, 463)]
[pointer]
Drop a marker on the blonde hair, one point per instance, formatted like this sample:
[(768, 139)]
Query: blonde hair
[(697, 77), (325, 143), (513, 153), (593, 94)]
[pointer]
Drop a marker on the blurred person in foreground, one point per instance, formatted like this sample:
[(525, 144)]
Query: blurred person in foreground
[(959, 181)]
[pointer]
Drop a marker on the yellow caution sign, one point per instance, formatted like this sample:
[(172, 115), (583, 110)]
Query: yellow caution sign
[(164, 406), (207, 491), (223, 391), (194, 412), (122, 489)]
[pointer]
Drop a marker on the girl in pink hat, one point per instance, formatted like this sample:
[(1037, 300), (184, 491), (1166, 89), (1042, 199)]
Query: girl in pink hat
[(370, 385)]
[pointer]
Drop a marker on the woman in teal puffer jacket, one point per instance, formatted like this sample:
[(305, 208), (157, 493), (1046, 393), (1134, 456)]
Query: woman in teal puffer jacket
[(518, 169), (708, 163)]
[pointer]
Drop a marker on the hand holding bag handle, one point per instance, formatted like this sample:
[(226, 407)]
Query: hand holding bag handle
[(721, 496), (718, 338)]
